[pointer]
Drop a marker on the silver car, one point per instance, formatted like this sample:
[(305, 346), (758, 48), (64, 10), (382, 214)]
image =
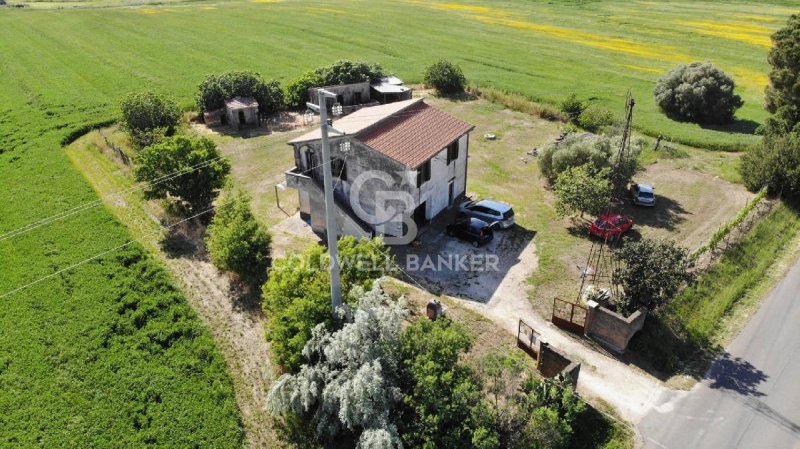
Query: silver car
[(643, 195), (493, 212)]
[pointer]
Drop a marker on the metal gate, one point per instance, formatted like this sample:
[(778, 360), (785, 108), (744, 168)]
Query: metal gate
[(528, 339), (569, 316)]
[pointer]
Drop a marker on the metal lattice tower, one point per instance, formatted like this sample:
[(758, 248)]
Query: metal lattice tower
[(601, 263)]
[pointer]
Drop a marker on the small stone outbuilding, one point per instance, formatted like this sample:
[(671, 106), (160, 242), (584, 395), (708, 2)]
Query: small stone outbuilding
[(241, 111)]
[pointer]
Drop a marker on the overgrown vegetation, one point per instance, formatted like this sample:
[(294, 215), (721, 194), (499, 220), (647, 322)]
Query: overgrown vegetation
[(698, 92), (446, 77), (236, 241), (297, 294), (149, 117), (595, 153), (187, 170), (340, 72), (216, 89)]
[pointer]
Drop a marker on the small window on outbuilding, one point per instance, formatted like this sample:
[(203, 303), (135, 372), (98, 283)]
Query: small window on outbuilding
[(423, 173), (452, 152)]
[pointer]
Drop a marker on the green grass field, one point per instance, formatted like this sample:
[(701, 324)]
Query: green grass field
[(78, 366)]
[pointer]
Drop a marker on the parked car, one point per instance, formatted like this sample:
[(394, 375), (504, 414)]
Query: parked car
[(610, 226), (489, 211), (473, 230), (643, 195)]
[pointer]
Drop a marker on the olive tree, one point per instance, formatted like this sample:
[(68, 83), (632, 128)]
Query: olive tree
[(149, 117), (698, 92), (446, 77), (651, 273), (349, 389), (189, 169), (596, 153), (236, 241)]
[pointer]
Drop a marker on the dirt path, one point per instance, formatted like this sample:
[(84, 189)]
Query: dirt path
[(630, 392)]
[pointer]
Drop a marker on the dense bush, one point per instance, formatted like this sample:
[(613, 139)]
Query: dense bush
[(149, 117), (594, 118), (698, 92), (572, 107), (189, 169), (446, 77), (783, 92), (596, 153), (236, 241), (651, 273), (216, 89), (340, 72), (297, 294), (579, 191), (774, 165)]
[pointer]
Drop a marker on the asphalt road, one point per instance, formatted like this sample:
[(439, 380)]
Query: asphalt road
[(750, 398)]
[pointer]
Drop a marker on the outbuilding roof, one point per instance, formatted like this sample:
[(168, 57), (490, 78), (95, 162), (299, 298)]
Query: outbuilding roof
[(241, 103), (410, 132)]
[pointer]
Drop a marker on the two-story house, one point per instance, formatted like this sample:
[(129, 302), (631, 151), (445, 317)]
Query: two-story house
[(395, 164)]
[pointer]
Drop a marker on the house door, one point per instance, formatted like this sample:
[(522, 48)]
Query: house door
[(451, 189), (419, 215), (309, 169), (242, 120)]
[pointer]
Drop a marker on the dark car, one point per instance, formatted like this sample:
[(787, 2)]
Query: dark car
[(472, 230), (610, 226), (489, 211)]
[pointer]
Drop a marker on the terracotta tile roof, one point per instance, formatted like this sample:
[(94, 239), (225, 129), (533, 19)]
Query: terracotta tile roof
[(415, 134)]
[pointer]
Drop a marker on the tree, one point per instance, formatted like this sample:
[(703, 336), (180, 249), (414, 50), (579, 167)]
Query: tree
[(297, 89), (446, 77), (578, 191), (236, 241), (443, 400), (340, 72), (189, 169), (698, 92), (149, 117), (348, 390), (572, 107), (651, 273), (783, 92), (548, 410), (596, 153), (216, 89), (774, 164), (297, 293)]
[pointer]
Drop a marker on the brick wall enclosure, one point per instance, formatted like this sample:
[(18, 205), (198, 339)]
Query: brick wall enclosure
[(611, 329)]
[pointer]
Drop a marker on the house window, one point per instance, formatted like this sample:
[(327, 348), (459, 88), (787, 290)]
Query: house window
[(339, 169), (423, 173), (452, 152)]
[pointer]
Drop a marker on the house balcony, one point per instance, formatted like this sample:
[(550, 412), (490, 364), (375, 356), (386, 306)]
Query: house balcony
[(297, 179)]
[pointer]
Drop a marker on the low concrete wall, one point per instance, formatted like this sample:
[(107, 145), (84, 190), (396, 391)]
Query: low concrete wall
[(611, 329), (553, 362)]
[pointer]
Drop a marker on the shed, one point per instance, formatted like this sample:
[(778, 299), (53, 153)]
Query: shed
[(241, 111), (389, 90)]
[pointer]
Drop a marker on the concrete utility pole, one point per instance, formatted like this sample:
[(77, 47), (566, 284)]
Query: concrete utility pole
[(330, 211)]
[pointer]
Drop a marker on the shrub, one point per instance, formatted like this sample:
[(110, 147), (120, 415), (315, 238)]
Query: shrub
[(297, 293), (578, 191), (446, 77), (297, 89), (572, 107), (651, 273), (783, 92), (216, 89), (594, 118), (340, 72), (237, 242), (774, 165), (597, 153), (698, 92), (149, 117), (189, 169)]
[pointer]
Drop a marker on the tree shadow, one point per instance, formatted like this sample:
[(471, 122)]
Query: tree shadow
[(735, 374), (666, 214), (738, 126)]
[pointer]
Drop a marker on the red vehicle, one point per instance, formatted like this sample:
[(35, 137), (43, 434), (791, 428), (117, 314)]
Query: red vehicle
[(610, 226)]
